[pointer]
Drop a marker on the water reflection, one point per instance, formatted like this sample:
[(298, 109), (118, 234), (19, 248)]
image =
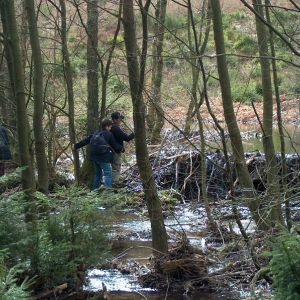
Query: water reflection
[(252, 137), (254, 141), (113, 279), (124, 287)]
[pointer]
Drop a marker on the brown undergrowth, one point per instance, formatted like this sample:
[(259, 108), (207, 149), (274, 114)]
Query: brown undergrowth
[(189, 270), (183, 270), (244, 113)]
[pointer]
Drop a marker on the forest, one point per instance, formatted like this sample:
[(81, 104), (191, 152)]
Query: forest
[(181, 72)]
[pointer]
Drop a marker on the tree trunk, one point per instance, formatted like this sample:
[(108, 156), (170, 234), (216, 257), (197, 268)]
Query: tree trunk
[(195, 36), (40, 149), (92, 58), (94, 61), (156, 118), (7, 107), (279, 119), (8, 111), (106, 69), (28, 181), (272, 201), (211, 222), (136, 81), (234, 133), (69, 83), (92, 67)]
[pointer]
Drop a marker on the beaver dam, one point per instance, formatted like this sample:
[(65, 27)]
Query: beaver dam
[(182, 173)]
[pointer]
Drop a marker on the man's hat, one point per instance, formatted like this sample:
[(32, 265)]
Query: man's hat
[(116, 115)]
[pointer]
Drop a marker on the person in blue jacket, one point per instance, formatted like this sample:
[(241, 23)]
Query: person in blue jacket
[(5, 153), (102, 162)]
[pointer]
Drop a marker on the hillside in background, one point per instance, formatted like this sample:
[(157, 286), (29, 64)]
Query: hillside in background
[(244, 70), (246, 114)]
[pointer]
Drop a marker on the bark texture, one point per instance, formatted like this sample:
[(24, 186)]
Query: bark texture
[(272, 201), (136, 76), (39, 137), (28, 181), (155, 111), (69, 83), (234, 133)]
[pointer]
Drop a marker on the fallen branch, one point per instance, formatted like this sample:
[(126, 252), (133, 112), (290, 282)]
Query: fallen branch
[(57, 289), (258, 274)]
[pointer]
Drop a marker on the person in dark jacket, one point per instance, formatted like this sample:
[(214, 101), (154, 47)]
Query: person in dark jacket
[(5, 153), (120, 137), (102, 162)]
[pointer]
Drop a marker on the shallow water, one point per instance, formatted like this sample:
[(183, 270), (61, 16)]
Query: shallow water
[(251, 138), (126, 287), (135, 249)]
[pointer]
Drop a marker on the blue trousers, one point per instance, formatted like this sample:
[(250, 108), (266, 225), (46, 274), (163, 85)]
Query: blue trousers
[(102, 169)]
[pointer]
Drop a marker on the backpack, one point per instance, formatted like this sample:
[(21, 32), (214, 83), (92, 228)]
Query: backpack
[(98, 144), (3, 147)]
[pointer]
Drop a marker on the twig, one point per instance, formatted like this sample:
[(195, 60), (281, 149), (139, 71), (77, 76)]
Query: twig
[(122, 253), (130, 129), (143, 296), (159, 150), (175, 156)]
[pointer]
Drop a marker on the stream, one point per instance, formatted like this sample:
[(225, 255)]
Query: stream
[(134, 246), (135, 249)]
